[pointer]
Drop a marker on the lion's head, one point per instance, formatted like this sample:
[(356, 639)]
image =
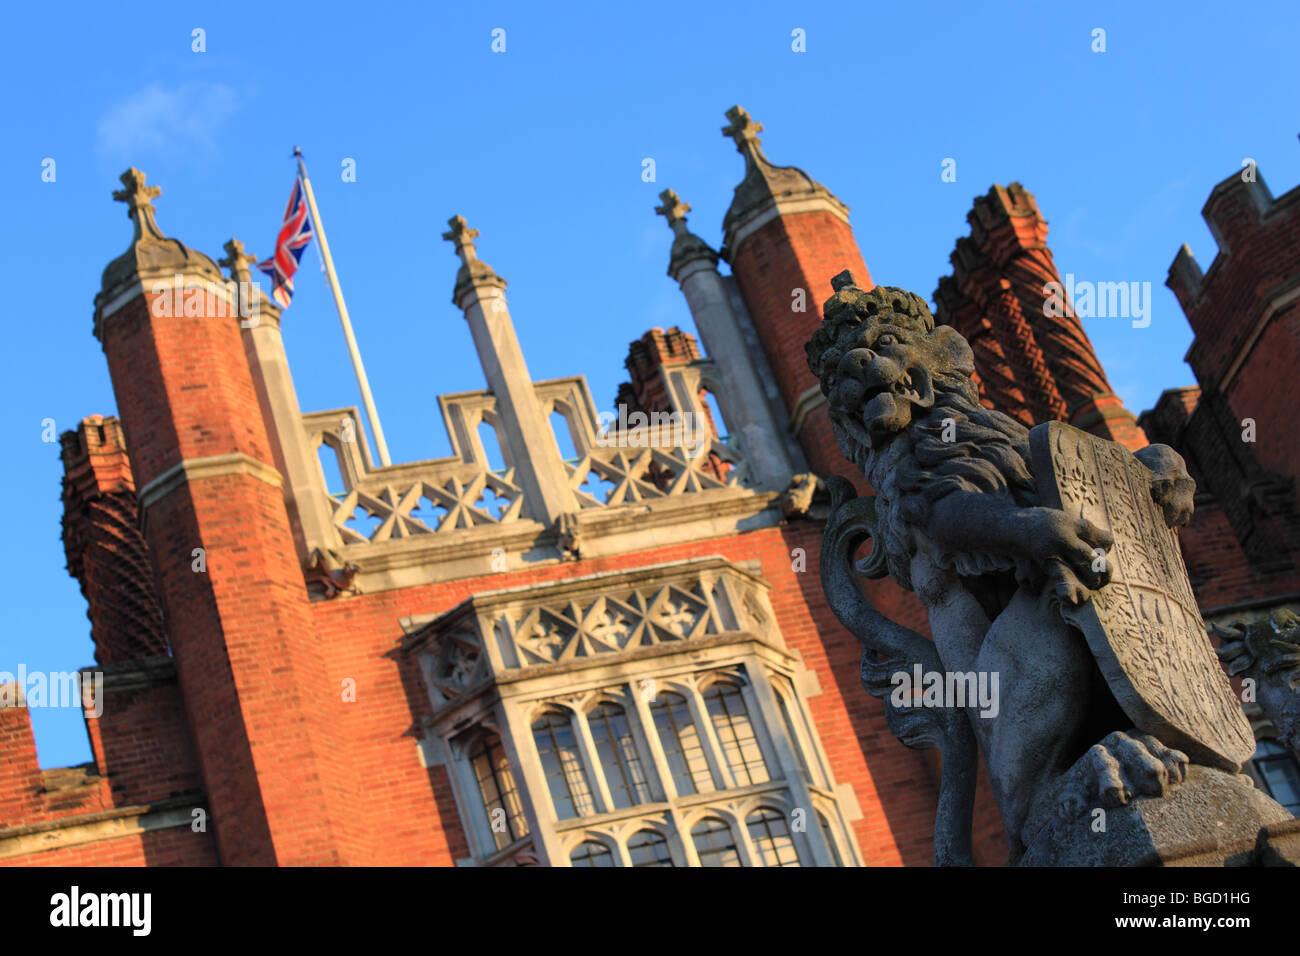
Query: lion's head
[(882, 363), (886, 370)]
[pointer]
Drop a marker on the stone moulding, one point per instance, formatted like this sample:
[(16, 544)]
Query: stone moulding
[(453, 517), (462, 491), (198, 469), (511, 633), (105, 825)]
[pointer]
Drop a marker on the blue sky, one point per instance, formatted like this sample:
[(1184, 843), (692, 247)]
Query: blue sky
[(541, 149)]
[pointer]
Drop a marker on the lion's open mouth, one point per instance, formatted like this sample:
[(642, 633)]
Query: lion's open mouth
[(907, 388), (914, 387), (887, 407)]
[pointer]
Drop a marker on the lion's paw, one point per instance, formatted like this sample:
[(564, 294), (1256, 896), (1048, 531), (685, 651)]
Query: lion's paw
[(1120, 768), (1068, 553)]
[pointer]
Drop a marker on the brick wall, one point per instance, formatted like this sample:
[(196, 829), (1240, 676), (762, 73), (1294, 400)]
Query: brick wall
[(249, 662)]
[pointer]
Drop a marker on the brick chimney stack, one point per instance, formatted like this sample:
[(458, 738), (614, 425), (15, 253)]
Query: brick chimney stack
[(105, 550), (1033, 362), (647, 357)]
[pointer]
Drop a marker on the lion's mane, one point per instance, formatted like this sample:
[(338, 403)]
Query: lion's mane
[(987, 451)]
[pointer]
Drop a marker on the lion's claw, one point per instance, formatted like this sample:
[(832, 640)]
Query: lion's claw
[(1121, 768), (1066, 550)]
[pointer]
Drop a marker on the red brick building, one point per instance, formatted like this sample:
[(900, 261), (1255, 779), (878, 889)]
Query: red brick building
[(617, 653)]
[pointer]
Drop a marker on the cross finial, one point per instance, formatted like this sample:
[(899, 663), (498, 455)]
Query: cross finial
[(743, 129), (673, 209), (463, 237), (139, 199), (237, 260)]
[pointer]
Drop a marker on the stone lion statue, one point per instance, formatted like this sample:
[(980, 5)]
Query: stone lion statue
[(1268, 652), (956, 518)]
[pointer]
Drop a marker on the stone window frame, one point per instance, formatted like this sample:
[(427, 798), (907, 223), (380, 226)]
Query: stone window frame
[(468, 795), (667, 813), (510, 698), (1280, 754), (586, 769), (673, 815)]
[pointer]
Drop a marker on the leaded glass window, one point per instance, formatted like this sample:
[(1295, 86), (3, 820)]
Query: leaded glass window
[(681, 743), (830, 839), (649, 848), (591, 853), (715, 844), (1280, 773), (616, 749), (794, 737), (771, 838), (735, 732), (566, 778), (497, 789)]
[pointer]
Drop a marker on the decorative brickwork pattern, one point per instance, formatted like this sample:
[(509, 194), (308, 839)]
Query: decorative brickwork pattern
[(1033, 360), (106, 552)]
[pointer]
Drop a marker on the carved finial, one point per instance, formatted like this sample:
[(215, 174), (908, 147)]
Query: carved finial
[(237, 260), (743, 129), (843, 281), (139, 199), (674, 210), (462, 236)]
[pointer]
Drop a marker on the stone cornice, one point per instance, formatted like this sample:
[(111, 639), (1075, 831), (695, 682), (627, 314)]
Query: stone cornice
[(137, 674), (198, 469), (749, 220), (110, 824), (144, 281), (808, 400), (475, 283), (644, 525)]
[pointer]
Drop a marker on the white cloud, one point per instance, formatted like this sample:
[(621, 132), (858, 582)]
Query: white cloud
[(167, 121)]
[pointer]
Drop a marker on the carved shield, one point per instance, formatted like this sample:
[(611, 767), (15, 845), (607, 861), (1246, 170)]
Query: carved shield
[(1144, 627)]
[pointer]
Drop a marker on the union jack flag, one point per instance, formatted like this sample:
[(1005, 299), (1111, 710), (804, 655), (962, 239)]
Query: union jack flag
[(289, 245)]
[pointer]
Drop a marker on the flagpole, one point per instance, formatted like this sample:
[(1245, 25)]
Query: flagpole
[(355, 353)]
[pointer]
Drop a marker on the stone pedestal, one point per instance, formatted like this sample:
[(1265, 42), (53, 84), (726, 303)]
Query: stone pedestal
[(1212, 819)]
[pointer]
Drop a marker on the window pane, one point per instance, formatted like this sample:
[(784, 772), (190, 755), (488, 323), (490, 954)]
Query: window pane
[(562, 765), (649, 848), (497, 787), (830, 840), (681, 743), (1280, 773), (794, 738), (714, 843), (771, 838), (591, 853), (731, 723), (618, 757)]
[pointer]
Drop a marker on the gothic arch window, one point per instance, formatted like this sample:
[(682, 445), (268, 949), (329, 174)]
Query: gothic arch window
[(829, 836), (771, 837), (710, 403), (795, 743), (566, 777), (616, 750), (1280, 773), (715, 844), (681, 743), (725, 703), (497, 790), (591, 853), (649, 848)]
